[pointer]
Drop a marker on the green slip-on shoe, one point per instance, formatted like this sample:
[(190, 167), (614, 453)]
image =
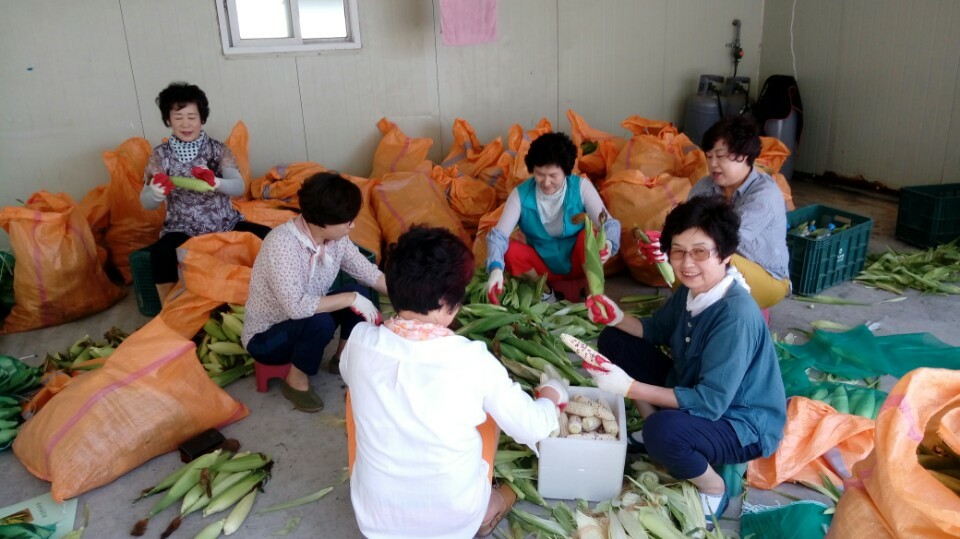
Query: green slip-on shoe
[(305, 401)]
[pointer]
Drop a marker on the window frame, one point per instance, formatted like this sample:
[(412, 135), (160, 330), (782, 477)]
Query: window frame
[(229, 27)]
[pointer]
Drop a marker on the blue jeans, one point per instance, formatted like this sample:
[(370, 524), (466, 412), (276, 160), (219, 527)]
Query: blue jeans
[(302, 341), (683, 443)]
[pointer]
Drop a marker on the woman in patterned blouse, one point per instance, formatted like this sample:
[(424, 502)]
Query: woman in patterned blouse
[(190, 152)]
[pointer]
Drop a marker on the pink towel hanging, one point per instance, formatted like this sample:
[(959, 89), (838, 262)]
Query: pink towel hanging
[(468, 22)]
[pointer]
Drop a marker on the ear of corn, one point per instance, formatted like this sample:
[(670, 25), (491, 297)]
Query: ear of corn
[(233, 494), (191, 184), (593, 242), (212, 531), (665, 269), (239, 513)]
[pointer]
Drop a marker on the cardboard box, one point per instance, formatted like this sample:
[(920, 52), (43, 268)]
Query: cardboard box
[(589, 469)]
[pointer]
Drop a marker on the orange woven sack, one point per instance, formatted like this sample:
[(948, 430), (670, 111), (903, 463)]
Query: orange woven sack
[(469, 198), (593, 164), (512, 159), (271, 213), (816, 439), (397, 152), (404, 199), (238, 141), (645, 126), (890, 494), (640, 201), (58, 276), (773, 154), (214, 269), (95, 208), (131, 226), (472, 158), (151, 396), (283, 182)]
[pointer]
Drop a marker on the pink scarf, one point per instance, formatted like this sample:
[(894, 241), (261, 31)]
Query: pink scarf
[(415, 330)]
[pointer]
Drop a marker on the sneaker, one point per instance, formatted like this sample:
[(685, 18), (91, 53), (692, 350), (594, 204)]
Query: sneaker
[(713, 507), (305, 401), (635, 442), (548, 297)]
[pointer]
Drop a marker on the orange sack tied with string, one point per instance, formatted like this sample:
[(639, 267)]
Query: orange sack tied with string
[(58, 276), (150, 396)]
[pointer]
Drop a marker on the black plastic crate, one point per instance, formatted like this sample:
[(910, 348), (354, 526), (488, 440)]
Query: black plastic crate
[(819, 263), (929, 214), (148, 300)]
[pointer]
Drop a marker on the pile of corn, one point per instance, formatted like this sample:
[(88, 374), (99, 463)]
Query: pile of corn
[(219, 348), (85, 354), (931, 270), (16, 379), (588, 419), (212, 482)]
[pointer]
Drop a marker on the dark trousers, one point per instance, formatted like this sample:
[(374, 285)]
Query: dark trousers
[(682, 442), (301, 342), (163, 252)]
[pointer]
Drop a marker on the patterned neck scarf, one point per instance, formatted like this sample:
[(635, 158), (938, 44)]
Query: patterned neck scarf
[(186, 152), (415, 330)]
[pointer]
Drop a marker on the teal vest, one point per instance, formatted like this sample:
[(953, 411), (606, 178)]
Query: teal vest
[(555, 251)]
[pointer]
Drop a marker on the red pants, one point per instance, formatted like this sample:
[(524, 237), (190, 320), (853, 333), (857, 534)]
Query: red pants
[(521, 258)]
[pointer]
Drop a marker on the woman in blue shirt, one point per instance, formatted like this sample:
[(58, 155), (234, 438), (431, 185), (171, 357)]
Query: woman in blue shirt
[(718, 398)]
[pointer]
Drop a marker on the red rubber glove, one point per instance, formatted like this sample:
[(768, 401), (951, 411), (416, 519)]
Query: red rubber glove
[(205, 174), (602, 310), (651, 251), (606, 252), (161, 184)]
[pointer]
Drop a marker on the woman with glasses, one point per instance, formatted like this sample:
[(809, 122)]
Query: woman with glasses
[(717, 398), (732, 145)]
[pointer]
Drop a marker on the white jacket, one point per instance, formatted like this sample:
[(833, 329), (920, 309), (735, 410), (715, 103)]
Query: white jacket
[(417, 404)]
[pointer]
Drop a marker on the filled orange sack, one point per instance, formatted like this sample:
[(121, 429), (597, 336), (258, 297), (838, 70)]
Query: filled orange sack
[(472, 158), (486, 222), (816, 439), (151, 396), (95, 208), (214, 269), (593, 164), (131, 226), (640, 201), (283, 182), (404, 199), (238, 141), (773, 154), (890, 494), (271, 213), (469, 197), (397, 152), (58, 276), (645, 126), (512, 159)]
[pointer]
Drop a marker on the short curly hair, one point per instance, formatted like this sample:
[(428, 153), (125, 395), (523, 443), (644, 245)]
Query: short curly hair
[(741, 135), (427, 269), (327, 198), (552, 149), (179, 95), (712, 214)]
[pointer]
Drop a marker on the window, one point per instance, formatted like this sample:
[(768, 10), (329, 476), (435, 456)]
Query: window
[(287, 26)]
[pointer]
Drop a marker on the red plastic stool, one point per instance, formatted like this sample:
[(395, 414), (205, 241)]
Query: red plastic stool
[(264, 373), (766, 315)]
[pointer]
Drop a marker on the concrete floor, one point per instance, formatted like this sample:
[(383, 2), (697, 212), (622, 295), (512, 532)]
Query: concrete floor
[(309, 449)]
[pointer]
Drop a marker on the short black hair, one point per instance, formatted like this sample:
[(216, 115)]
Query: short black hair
[(712, 214), (552, 149), (428, 268), (327, 198), (739, 132), (179, 95)]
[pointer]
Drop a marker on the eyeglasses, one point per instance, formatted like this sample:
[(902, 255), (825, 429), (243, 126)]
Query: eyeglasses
[(699, 254)]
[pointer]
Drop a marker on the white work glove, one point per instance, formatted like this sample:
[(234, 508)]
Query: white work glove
[(365, 308), (651, 252), (609, 377), (602, 310), (559, 385), (606, 252), (495, 286)]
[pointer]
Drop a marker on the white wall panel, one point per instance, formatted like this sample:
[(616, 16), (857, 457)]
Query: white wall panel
[(66, 94), (511, 81), (394, 75)]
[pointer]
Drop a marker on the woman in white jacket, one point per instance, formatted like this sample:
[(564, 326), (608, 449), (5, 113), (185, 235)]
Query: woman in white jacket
[(419, 392)]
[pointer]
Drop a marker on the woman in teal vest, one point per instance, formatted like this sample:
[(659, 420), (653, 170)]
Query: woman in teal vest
[(544, 207)]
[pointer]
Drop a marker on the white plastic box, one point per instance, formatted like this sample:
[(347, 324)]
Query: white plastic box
[(570, 468)]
